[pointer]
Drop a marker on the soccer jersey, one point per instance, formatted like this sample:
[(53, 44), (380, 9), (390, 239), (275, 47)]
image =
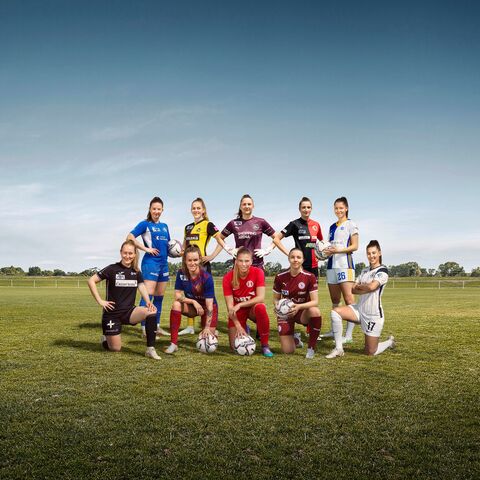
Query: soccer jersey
[(248, 233), (247, 288), (199, 288), (296, 288), (154, 235), (340, 236), (305, 233), (371, 303), (199, 234), (121, 285)]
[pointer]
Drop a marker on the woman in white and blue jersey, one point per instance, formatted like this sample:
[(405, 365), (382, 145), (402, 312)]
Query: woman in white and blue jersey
[(368, 311), (343, 235), (155, 238)]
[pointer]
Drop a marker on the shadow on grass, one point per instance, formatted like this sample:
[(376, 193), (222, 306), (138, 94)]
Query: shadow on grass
[(89, 346)]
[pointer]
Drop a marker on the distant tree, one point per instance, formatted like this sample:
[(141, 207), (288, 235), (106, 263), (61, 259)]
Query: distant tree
[(11, 271), (358, 268), (475, 272), (272, 268), (409, 269), (451, 269), (59, 273), (219, 269), (89, 272), (173, 268), (34, 271), (47, 273)]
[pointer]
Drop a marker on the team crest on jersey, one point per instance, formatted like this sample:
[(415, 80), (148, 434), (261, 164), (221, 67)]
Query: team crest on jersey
[(120, 276), (249, 284), (301, 285), (183, 278), (255, 226), (156, 229), (237, 223), (314, 228)]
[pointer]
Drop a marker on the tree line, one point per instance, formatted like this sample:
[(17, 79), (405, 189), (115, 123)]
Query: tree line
[(409, 269)]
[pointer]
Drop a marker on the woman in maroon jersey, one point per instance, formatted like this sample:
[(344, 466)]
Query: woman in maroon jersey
[(301, 287), (244, 292)]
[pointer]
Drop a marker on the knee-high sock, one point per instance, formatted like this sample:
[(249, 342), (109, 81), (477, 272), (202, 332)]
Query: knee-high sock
[(337, 328), (175, 319), (143, 303), (314, 325), (349, 330), (105, 345), (263, 323), (150, 329), (157, 301), (382, 346)]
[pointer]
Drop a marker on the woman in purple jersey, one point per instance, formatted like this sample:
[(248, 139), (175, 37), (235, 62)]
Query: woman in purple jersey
[(247, 231)]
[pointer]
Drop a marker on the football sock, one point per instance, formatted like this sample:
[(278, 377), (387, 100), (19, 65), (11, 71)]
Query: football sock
[(263, 323), (105, 345), (175, 320), (382, 346), (150, 329), (349, 330), (143, 303), (314, 323), (337, 328), (157, 301)]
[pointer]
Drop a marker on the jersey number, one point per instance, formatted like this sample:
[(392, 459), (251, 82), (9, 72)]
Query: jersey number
[(341, 276), (370, 326)]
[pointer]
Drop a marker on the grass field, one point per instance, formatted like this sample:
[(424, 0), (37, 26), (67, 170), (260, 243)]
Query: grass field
[(71, 410)]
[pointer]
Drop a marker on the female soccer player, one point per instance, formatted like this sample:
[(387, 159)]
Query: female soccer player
[(368, 311), (123, 280), (301, 287), (343, 236), (194, 295), (199, 233), (247, 231), (244, 292), (155, 236)]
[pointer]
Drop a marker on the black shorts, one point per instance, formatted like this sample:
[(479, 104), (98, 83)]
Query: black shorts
[(112, 321)]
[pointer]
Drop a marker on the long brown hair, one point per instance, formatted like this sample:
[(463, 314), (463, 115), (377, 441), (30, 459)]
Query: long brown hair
[(190, 249), (200, 200), (236, 273), (152, 201), (342, 200), (239, 214), (374, 243), (131, 243)]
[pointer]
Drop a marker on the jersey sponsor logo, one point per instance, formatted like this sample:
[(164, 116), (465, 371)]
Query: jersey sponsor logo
[(237, 223), (156, 229), (301, 285), (120, 276), (249, 284), (285, 292), (183, 278), (304, 237), (302, 231), (125, 283)]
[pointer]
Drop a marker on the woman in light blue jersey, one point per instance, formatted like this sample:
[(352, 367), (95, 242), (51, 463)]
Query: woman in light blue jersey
[(155, 238)]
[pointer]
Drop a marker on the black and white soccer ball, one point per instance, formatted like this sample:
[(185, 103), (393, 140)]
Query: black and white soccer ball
[(245, 345), (283, 308), (320, 249), (174, 248), (207, 344)]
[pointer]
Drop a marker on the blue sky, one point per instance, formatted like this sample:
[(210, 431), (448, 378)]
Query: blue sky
[(106, 104)]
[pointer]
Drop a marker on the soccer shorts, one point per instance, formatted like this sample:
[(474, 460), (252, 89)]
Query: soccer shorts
[(287, 327), (243, 315), (372, 325), (336, 276), (152, 270), (189, 311), (112, 321)]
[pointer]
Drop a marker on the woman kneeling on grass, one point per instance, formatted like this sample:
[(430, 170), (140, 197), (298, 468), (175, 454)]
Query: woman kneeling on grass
[(123, 279), (368, 311), (194, 295), (244, 292), (301, 287)]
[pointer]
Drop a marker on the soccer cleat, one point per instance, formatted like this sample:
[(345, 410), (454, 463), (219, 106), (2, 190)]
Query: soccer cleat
[(103, 342), (310, 353), (327, 335), (151, 353), (266, 352), (187, 331), (161, 331), (392, 338), (297, 337), (336, 352), (144, 333), (171, 349), (346, 340)]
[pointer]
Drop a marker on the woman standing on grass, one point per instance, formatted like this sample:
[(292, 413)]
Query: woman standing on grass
[(301, 287), (368, 311), (343, 235), (244, 292), (155, 236), (194, 296), (123, 280), (199, 233)]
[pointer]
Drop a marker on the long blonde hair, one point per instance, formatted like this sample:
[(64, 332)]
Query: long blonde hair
[(131, 243), (200, 200), (236, 273)]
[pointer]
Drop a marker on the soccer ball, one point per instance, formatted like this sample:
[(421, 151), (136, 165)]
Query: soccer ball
[(320, 247), (245, 345), (207, 344), (283, 307), (174, 248)]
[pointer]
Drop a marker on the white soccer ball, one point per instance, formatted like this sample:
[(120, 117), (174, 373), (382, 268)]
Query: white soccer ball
[(283, 308), (245, 345), (320, 247), (174, 248), (207, 344)]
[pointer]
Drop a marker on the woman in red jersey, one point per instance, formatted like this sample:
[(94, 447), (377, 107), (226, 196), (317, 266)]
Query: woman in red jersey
[(301, 287), (244, 292)]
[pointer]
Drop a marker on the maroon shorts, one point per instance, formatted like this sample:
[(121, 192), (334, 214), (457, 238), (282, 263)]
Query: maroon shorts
[(214, 321), (287, 327)]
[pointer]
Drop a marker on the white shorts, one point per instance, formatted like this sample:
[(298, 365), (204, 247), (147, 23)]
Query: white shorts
[(340, 275), (372, 325)]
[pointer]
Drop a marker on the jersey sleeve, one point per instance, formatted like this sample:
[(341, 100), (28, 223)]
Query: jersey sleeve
[(353, 228), (319, 234), (140, 228), (178, 281), (228, 229), (209, 288), (381, 276), (212, 230), (288, 230), (139, 277), (227, 285), (260, 277), (267, 229), (313, 287), (105, 272)]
